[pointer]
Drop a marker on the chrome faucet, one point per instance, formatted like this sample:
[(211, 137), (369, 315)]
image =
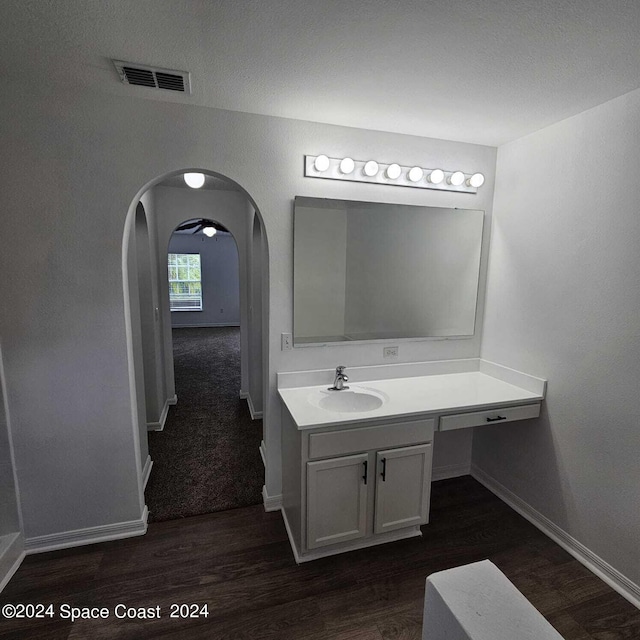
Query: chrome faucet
[(341, 378)]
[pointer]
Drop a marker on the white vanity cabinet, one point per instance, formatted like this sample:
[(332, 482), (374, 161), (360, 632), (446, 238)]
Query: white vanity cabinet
[(337, 500), (355, 487), (356, 465), (403, 487), (338, 490)]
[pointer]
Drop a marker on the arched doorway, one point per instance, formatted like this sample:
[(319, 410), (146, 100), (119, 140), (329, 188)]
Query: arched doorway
[(160, 197)]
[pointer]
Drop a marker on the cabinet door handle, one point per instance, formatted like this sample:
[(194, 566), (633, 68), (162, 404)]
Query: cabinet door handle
[(496, 418), (384, 470), (364, 477)]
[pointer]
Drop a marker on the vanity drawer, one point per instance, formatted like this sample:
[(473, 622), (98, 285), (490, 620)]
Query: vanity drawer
[(491, 416), (336, 443)]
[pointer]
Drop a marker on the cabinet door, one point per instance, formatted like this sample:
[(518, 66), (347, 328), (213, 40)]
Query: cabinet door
[(336, 500), (403, 487)]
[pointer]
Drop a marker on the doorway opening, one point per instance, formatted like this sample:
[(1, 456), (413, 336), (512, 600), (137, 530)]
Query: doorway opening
[(204, 317)]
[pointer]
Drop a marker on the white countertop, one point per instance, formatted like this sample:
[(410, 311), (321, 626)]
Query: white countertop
[(411, 396)]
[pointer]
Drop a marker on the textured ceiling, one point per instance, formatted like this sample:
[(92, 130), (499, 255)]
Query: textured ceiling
[(484, 71)]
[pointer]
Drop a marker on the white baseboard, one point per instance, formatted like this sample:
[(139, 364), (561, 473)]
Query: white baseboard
[(172, 401), (263, 453), (450, 471), (616, 580), (159, 426), (255, 415), (271, 503), (146, 471), (205, 325), (90, 535), (11, 556)]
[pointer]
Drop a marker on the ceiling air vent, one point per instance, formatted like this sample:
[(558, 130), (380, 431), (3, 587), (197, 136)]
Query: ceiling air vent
[(142, 75)]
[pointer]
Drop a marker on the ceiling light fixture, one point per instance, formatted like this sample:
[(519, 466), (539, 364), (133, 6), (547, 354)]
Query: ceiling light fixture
[(209, 231), (393, 174), (194, 180)]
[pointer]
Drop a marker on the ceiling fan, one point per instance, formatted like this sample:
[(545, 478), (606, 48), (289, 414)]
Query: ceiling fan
[(200, 224)]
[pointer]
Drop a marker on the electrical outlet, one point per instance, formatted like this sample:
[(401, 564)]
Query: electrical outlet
[(287, 342), (390, 352)]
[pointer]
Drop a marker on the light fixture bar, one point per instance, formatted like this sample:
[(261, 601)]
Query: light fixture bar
[(410, 176)]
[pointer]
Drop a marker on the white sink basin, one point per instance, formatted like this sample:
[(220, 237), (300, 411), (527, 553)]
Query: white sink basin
[(354, 400)]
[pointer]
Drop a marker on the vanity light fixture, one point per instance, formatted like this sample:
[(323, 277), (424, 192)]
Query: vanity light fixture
[(375, 172), (476, 180), (209, 231), (347, 165), (371, 168), (321, 163), (436, 176), (194, 180), (456, 178), (393, 171)]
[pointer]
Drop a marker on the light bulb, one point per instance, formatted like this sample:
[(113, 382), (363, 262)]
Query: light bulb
[(456, 178), (393, 171), (209, 231), (436, 176), (347, 165), (371, 168), (415, 174), (476, 180), (194, 180), (321, 163)]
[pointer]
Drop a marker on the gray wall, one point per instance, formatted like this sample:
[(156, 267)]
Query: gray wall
[(220, 276), (9, 510), (563, 303), (257, 258), (148, 318), (77, 451), (140, 390)]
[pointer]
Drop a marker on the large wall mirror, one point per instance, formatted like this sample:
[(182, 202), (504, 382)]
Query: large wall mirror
[(371, 271)]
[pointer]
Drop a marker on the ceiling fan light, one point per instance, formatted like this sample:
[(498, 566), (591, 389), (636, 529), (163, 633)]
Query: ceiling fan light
[(194, 180), (209, 231)]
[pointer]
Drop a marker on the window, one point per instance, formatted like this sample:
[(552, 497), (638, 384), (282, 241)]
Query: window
[(185, 287)]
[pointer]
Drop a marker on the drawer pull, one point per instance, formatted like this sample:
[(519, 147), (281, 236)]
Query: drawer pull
[(384, 470), (364, 477), (496, 418)]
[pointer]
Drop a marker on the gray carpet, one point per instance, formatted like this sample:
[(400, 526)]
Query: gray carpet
[(207, 458)]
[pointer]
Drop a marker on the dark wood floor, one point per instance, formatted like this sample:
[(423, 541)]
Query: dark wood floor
[(240, 565)]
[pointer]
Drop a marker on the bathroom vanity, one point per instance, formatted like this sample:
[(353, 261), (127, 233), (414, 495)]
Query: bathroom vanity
[(356, 463)]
